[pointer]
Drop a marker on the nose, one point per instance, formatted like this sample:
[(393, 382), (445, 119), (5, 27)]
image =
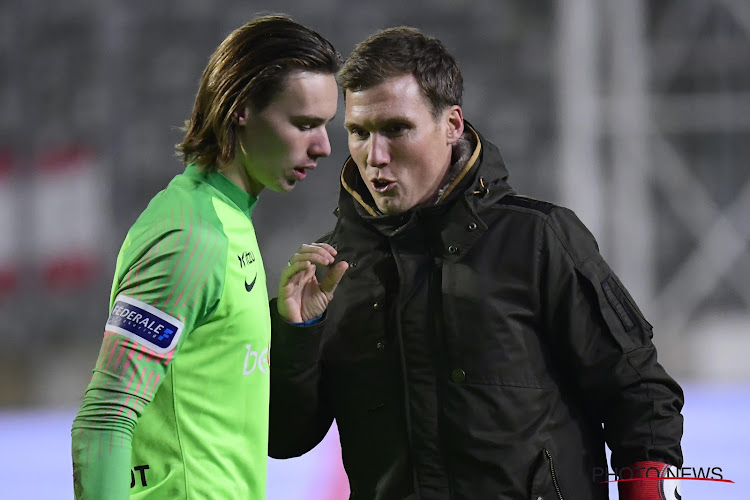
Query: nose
[(320, 146), (377, 152)]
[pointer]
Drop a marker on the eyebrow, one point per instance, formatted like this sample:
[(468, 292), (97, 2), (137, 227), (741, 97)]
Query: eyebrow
[(379, 123), (312, 119)]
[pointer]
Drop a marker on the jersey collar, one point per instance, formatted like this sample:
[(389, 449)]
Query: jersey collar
[(244, 200)]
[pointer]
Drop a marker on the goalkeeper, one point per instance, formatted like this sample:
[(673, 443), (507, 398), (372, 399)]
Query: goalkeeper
[(178, 404)]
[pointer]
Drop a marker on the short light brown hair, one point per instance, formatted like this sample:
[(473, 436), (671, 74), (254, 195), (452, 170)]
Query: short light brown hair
[(405, 51), (249, 68)]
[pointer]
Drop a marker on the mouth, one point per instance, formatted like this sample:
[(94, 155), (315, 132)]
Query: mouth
[(383, 185), (301, 172)]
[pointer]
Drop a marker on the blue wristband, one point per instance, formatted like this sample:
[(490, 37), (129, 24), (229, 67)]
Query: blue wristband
[(309, 322)]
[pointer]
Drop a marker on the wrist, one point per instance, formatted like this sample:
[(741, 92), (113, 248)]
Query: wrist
[(289, 315)]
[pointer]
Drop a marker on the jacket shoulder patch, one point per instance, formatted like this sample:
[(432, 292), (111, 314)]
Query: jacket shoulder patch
[(526, 202), (611, 291)]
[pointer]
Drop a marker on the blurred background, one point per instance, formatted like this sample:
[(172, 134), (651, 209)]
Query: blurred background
[(636, 114)]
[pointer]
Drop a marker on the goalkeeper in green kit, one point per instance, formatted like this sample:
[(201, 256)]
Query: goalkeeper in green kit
[(177, 407)]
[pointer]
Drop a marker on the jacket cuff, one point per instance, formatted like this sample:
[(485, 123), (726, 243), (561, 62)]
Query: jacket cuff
[(648, 480), (294, 346)]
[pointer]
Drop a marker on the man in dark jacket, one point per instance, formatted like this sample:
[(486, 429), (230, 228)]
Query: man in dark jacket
[(478, 345)]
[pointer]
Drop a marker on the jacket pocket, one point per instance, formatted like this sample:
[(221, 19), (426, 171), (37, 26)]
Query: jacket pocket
[(622, 318), (544, 480)]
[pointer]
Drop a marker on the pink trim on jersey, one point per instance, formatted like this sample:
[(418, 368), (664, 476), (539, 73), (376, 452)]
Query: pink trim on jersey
[(151, 254), (159, 358), (192, 271), (145, 394), (138, 385), (127, 388), (190, 278), (176, 243), (179, 258), (156, 383), (155, 251), (143, 262), (105, 357), (128, 364), (135, 393), (107, 366), (187, 264), (144, 397), (112, 339), (153, 355), (140, 353), (123, 349), (200, 280)]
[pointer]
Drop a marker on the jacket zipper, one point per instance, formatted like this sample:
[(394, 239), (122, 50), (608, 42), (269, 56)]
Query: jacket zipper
[(436, 298), (395, 311), (554, 475)]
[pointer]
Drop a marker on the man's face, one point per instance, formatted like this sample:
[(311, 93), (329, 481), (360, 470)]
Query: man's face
[(279, 144), (402, 151)]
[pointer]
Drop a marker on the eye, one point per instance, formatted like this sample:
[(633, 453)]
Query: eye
[(306, 123), (395, 129), (358, 133)]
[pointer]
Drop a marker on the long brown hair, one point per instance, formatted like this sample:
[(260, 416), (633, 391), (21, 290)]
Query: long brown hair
[(248, 69)]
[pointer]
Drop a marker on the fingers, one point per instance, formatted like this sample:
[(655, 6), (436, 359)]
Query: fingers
[(333, 277), (330, 249), (321, 254), (296, 271), (325, 246)]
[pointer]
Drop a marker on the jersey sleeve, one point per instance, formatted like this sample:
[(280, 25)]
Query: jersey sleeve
[(168, 281)]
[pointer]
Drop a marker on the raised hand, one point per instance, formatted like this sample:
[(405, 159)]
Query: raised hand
[(301, 296)]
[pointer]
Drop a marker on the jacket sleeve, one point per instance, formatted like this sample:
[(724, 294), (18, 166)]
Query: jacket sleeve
[(299, 415), (606, 346)]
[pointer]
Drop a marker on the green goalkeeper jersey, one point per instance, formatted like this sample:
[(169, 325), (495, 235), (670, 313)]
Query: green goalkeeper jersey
[(177, 407)]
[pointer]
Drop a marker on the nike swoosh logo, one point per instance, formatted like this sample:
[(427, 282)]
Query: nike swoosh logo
[(251, 285)]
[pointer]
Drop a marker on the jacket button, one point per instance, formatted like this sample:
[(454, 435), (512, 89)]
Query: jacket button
[(458, 375), (377, 306), (380, 346), (354, 264), (472, 226), (453, 249)]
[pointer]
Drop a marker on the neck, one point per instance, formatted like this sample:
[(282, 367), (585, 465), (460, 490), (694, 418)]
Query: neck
[(238, 174)]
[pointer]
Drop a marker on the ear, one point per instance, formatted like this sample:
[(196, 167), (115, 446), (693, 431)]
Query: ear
[(241, 116), (455, 122)]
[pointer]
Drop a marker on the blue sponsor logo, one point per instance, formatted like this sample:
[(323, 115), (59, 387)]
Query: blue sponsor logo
[(141, 323)]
